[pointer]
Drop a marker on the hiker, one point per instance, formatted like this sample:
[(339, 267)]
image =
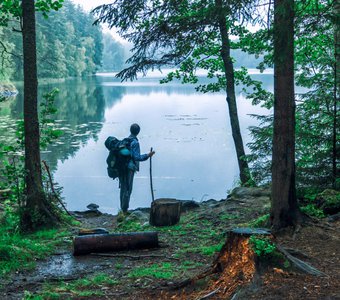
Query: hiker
[(126, 177)]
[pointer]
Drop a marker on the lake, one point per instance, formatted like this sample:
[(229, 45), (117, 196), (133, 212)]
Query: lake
[(195, 157)]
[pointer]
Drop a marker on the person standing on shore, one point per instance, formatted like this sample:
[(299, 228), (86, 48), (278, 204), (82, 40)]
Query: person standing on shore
[(126, 177)]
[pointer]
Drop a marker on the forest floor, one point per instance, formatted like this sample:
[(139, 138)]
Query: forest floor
[(188, 249)]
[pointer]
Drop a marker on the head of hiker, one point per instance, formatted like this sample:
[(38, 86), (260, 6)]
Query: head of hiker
[(132, 166), (134, 129)]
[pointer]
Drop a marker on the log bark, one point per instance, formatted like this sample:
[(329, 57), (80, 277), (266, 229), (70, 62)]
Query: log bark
[(165, 212), (114, 242)]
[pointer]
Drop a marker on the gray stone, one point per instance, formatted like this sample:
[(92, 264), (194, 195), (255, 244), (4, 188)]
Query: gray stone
[(244, 192), (138, 215)]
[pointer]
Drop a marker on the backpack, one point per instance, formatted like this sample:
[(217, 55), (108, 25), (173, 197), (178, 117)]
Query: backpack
[(119, 156)]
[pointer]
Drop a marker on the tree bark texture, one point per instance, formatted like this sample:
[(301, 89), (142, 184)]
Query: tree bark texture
[(231, 97), (336, 87), (35, 197), (114, 242), (165, 212), (284, 209)]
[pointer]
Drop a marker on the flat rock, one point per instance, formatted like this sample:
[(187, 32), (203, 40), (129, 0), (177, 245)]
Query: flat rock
[(244, 192)]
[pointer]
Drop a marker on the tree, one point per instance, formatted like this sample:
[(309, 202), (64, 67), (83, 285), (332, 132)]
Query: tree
[(37, 210), (316, 104), (284, 209), (113, 54), (336, 22), (65, 32), (187, 35)]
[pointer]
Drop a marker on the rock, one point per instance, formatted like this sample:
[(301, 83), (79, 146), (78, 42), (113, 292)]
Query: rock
[(93, 206), (138, 215), (7, 90), (329, 201), (334, 218), (187, 205), (86, 214), (244, 192)]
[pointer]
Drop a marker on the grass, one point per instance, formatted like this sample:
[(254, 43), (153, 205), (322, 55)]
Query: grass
[(83, 287), (164, 270), (203, 249), (18, 252), (159, 271), (261, 221)]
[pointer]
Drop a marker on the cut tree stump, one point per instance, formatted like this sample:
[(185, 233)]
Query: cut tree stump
[(165, 212), (114, 242), (237, 267)]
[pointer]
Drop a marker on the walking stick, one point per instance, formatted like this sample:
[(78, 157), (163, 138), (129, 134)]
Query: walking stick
[(152, 195)]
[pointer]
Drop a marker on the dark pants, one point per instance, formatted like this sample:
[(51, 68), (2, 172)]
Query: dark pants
[(125, 184)]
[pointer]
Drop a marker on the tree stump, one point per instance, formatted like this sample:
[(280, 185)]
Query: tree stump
[(235, 266), (165, 212), (86, 244), (235, 271)]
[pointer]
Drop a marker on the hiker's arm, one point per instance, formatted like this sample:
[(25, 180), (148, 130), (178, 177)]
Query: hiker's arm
[(135, 152)]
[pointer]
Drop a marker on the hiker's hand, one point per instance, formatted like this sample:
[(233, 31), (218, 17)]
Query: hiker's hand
[(151, 153)]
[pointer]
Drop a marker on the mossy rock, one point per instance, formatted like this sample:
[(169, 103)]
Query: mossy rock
[(329, 201)]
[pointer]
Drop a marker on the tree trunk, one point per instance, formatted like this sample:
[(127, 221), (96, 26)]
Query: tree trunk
[(284, 210), (336, 86), (231, 97), (114, 242), (165, 212), (35, 212)]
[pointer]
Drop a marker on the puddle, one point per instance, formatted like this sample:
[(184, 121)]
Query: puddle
[(66, 265)]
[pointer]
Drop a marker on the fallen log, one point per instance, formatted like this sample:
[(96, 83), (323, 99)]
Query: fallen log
[(165, 212), (87, 244)]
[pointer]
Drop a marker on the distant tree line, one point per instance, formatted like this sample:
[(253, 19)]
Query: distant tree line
[(68, 45)]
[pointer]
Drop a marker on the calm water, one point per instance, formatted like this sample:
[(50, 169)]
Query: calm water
[(190, 132)]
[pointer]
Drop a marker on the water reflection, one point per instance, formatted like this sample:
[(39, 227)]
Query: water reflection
[(195, 156)]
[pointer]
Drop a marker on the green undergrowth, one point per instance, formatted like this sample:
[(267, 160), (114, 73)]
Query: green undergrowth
[(193, 234), (164, 270), (261, 221), (84, 287), (19, 251)]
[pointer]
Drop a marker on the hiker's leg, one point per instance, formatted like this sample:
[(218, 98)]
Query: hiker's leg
[(129, 184), (124, 192)]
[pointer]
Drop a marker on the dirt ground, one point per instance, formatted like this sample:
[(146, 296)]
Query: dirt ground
[(182, 248)]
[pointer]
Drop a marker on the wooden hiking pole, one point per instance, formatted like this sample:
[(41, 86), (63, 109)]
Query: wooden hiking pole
[(152, 195)]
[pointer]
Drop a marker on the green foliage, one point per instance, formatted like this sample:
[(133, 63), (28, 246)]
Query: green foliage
[(13, 171), (48, 131), (18, 252), (330, 201), (67, 31), (262, 246), (12, 9), (318, 204), (312, 210), (83, 287), (316, 117), (113, 54), (261, 221), (164, 271)]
